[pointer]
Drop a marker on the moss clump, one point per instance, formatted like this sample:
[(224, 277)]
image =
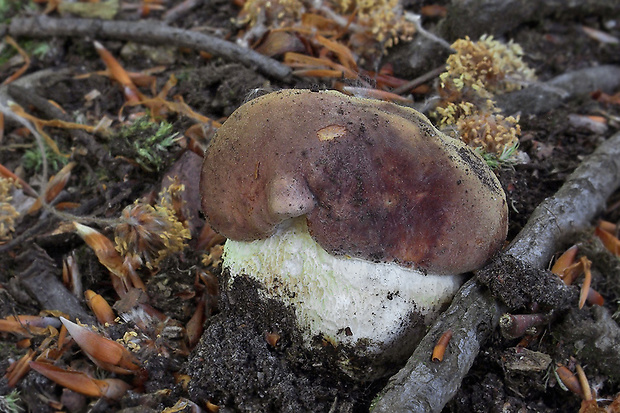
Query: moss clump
[(474, 75), (11, 8), (485, 68), (10, 403), (33, 162), (147, 234), (147, 143), (383, 19), (483, 128)]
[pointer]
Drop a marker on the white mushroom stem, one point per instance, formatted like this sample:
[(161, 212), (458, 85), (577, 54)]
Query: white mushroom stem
[(342, 299)]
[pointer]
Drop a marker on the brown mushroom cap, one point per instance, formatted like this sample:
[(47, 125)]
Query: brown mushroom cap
[(375, 180)]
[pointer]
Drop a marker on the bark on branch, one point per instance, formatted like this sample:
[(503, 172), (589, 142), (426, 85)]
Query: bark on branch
[(424, 386), (148, 32), (545, 96)]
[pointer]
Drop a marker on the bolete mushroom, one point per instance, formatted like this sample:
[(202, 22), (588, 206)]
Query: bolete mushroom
[(357, 214)]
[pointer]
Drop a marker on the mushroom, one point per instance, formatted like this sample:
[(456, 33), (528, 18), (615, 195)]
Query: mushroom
[(356, 214)]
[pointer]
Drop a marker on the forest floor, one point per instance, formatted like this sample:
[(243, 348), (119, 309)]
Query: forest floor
[(149, 102)]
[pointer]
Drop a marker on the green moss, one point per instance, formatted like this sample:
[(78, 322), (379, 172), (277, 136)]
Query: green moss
[(147, 143), (10, 8), (183, 75), (37, 49), (33, 162), (10, 403), (505, 159)]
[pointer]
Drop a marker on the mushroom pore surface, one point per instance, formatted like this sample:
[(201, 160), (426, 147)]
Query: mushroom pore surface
[(374, 180)]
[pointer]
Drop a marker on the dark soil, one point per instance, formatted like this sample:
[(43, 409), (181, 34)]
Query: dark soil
[(233, 366)]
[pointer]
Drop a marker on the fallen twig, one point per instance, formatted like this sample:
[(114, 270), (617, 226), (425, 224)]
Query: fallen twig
[(572, 208), (423, 386), (148, 32), (419, 80), (180, 10), (416, 19), (545, 96)]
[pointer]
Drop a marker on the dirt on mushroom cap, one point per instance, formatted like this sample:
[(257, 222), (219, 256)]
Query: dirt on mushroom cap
[(375, 181)]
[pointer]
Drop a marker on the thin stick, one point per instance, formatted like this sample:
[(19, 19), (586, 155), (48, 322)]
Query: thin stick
[(147, 32), (416, 19), (8, 113), (419, 80), (181, 10), (26, 96)]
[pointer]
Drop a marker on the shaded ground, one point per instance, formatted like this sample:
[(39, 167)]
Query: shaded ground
[(234, 367)]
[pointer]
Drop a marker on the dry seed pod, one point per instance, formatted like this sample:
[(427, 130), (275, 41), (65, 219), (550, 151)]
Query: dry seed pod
[(357, 213)]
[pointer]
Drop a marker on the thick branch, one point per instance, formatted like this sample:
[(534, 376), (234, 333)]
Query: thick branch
[(545, 96), (572, 208), (149, 32), (423, 386)]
